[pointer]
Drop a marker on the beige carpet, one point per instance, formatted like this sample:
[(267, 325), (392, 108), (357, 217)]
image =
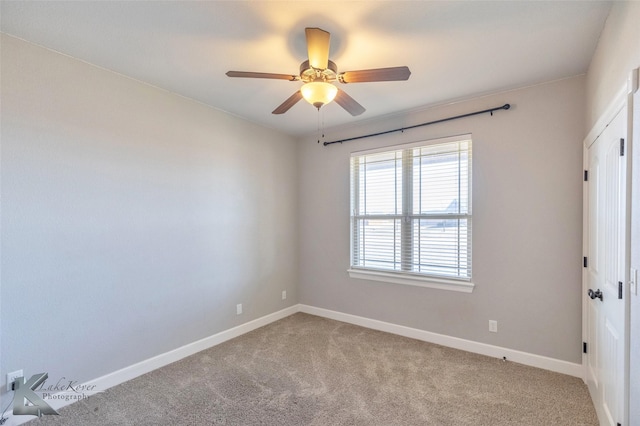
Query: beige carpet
[(307, 370)]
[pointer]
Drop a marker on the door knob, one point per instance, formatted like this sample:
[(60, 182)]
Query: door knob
[(595, 294)]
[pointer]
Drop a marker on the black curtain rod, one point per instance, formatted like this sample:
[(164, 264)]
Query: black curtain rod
[(402, 129)]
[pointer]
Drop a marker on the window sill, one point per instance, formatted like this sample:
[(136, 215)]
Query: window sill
[(415, 280)]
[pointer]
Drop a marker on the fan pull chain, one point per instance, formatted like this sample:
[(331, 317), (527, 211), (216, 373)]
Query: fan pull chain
[(318, 126), (319, 129)]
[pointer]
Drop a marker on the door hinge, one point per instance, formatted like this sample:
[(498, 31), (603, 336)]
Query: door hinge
[(621, 147), (584, 347), (584, 262), (586, 175), (619, 289)]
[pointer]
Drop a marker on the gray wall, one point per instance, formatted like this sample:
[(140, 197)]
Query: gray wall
[(133, 220), (527, 224), (618, 52)]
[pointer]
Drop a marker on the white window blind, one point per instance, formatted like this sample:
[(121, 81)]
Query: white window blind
[(411, 209)]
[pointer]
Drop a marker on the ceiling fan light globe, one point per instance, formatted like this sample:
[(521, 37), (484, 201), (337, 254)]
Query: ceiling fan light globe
[(319, 93)]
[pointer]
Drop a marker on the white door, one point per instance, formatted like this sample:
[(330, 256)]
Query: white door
[(606, 220)]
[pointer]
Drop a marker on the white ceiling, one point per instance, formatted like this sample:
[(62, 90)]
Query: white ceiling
[(455, 49)]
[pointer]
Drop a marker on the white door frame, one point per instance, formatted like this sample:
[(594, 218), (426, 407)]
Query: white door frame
[(624, 97)]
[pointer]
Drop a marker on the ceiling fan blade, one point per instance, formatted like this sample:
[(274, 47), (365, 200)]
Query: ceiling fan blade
[(348, 103), (286, 105), (379, 74), (318, 47), (246, 74)]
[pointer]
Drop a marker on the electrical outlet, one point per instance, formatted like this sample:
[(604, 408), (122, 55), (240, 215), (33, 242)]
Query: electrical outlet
[(11, 377), (284, 294), (238, 308), (493, 326)]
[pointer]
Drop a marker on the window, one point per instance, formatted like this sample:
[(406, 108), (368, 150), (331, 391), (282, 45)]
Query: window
[(411, 214)]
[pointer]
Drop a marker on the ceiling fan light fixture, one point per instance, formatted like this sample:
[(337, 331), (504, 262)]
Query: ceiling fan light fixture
[(319, 73), (319, 93)]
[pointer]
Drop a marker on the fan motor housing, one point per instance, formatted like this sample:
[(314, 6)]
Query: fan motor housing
[(309, 74)]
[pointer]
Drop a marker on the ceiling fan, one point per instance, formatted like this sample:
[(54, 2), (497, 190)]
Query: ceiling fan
[(319, 73)]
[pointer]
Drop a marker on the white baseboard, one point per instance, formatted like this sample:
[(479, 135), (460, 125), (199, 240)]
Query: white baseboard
[(166, 358), (131, 372), (546, 363)]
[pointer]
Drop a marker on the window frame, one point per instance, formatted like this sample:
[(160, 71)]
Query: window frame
[(404, 276)]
